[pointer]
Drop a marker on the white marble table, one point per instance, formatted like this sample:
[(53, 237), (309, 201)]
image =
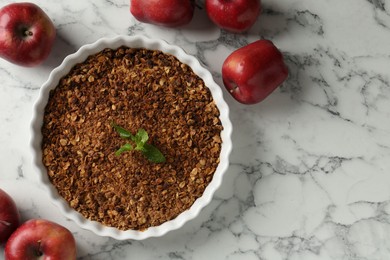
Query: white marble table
[(310, 169)]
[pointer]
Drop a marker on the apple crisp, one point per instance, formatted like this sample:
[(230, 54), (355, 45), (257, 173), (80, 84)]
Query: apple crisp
[(133, 88)]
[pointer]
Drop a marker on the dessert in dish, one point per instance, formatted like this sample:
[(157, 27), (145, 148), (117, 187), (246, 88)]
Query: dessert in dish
[(134, 88)]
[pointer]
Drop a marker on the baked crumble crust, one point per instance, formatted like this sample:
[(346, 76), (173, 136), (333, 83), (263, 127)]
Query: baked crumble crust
[(134, 88)]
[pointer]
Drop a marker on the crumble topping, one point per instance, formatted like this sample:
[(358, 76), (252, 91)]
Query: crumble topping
[(134, 88)]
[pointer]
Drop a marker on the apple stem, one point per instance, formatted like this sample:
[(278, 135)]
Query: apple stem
[(28, 33), (39, 250), (234, 88), (5, 223)]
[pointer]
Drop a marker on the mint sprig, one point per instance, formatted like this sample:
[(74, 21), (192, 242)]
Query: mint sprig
[(140, 139)]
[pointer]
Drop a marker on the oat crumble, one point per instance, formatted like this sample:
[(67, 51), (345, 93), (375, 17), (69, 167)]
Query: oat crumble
[(135, 88)]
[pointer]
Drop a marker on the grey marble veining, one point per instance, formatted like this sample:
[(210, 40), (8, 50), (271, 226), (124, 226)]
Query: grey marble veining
[(310, 169)]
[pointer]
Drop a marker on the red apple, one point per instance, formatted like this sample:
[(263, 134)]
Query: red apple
[(26, 34), (41, 239), (233, 15), (169, 13), (9, 216), (254, 71)]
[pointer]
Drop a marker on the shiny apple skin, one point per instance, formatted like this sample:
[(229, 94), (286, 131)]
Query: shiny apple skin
[(251, 73), (26, 34), (9, 216), (236, 16), (41, 239), (168, 13)]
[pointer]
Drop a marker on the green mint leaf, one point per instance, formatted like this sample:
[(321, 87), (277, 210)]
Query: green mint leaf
[(140, 147), (124, 148), (121, 131), (153, 154), (141, 137)]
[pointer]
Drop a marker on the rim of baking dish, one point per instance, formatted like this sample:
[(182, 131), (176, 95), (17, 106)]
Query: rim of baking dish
[(135, 42)]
